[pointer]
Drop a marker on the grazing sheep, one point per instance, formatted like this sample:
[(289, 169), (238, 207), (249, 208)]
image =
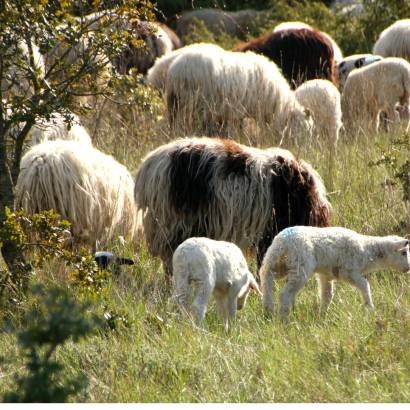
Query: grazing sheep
[(225, 191), (58, 129), (107, 260), (157, 74), (302, 54), (88, 188), (335, 254), (233, 23), (322, 99), (203, 266), (373, 89), (394, 41), (213, 93), (347, 64), (296, 25)]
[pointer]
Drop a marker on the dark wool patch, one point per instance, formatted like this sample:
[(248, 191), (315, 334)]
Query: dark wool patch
[(302, 54), (236, 160), (191, 174)]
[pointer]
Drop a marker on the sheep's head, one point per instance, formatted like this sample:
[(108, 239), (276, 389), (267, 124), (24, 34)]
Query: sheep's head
[(107, 260), (243, 294), (398, 255)]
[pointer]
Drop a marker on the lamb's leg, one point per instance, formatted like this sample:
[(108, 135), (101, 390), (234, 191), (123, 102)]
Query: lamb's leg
[(199, 305), (267, 291), (363, 285), (232, 308), (326, 291), (297, 278)]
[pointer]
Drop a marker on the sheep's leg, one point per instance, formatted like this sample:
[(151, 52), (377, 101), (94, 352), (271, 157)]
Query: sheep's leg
[(326, 291), (297, 278), (232, 306), (267, 290), (363, 285), (199, 305)]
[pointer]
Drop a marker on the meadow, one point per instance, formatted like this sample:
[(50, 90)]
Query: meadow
[(351, 354)]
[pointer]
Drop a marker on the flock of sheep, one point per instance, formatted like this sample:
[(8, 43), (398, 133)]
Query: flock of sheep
[(193, 189)]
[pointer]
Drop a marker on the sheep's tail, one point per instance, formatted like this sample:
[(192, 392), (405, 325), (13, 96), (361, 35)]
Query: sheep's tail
[(267, 271), (319, 207)]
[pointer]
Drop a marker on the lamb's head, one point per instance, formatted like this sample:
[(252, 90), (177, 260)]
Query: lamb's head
[(300, 122), (397, 253), (243, 294)]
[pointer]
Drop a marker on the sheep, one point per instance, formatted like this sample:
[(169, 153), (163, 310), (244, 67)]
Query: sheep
[(88, 188), (175, 40), (296, 25), (107, 260), (335, 254), (322, 99), (302, 54), (373, 89), (394, 41), (213, 93), (225, 191), (347, 64), (17, 74), (233, 23), (203, 266), (58, 129), (157, 74)]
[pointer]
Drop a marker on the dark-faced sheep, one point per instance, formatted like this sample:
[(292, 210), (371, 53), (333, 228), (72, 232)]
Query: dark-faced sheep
[(224, 191), (302, 54)]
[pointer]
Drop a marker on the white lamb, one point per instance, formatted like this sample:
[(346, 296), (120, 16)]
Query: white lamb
[(322, 99), (394, 41), (347, 64), (157, 74), (204, 266), (335, 254), (57, 129), (373, 89), (214, 93)]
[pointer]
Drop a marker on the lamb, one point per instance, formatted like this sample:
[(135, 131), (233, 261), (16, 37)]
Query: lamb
[(157, 74), (374, 89), (225, 191), (216, 267), (213, 93), (88, 188), (394, 41), (322, 99), (335, 254), (347, 64), (58, 129)]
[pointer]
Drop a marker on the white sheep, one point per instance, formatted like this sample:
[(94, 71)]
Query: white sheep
[(296, 25), (322, 99), (157, 74), (213, 93), (85, 186), (335, 254), (394, 41), (347, 64), (58, 129), (204, 267), (374, 89)]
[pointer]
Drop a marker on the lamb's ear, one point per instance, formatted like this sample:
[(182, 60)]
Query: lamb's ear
[(254, 285), (401, 244)]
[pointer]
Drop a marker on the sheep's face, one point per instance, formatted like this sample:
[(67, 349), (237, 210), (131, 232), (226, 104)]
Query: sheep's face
[(398, 256)]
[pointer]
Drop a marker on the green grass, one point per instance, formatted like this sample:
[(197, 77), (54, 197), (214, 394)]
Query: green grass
[(351, 354)]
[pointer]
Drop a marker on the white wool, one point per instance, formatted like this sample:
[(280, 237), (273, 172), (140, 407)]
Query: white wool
[(297, 25), (85, 186), (322, 99), (347, 64), (394, 41), (203, 267), (157, 74), (207, 92), (373, 89), (335, 254), (57, 129)]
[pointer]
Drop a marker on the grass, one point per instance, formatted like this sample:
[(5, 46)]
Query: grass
[(350, 355)]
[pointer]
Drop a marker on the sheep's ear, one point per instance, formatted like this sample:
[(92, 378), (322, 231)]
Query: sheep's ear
[(125, 261), (400, 245), (254, 285)]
